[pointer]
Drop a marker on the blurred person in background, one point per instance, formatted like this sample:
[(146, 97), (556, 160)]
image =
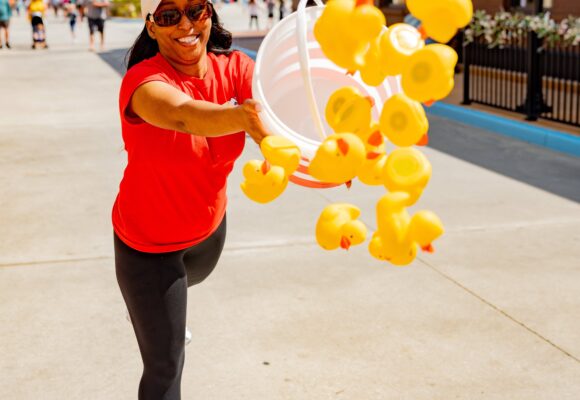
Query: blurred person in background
[(5, 15), (253, 9), (270, 6), (18, 5), (55, 4), (70, 8), (282, 9), (36, 10), (96, 13)]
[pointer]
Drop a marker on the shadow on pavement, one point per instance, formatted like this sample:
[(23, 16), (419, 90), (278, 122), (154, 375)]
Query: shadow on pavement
[(553, 172), (115, 59)]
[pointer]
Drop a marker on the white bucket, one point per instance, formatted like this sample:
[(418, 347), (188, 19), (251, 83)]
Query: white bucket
[(293, 81)]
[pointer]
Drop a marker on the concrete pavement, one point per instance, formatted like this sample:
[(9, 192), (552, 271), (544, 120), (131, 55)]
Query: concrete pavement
[(493, 314)]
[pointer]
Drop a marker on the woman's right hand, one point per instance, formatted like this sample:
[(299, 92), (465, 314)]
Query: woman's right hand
[(251, 120)]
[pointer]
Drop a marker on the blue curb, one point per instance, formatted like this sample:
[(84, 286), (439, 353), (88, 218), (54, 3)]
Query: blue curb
[(552, 139), (251, 53)]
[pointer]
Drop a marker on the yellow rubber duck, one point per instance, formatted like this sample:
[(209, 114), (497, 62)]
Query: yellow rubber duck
[(371, 170), (403, 121), (407, 170), (338, 226), (338, 158), (345, 29), (428, 74), (372, 138), (398, 235), (442, 18), (347, 110), (371, 71), (282, 152), (264, 182), (397, 44)]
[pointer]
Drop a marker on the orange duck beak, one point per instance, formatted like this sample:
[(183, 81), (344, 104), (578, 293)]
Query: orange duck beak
[(344, 243)]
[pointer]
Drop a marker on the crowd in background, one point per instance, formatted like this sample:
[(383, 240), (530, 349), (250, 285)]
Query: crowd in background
[(253, 10), (94, 11)]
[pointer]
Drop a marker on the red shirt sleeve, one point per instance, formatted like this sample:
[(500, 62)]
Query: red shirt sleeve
[(138, 75)]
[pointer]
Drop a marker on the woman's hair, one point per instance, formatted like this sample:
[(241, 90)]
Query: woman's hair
[(220, 41)]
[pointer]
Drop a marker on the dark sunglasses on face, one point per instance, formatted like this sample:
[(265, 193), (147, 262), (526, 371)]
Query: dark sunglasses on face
[(172, 16)]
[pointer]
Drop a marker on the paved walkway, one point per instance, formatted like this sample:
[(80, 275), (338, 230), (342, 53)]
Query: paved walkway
[(493, 314)]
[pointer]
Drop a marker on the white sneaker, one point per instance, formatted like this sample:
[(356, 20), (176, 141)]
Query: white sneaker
[(188, 335)]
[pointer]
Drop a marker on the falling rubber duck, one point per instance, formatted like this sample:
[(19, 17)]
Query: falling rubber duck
[(345, 30), (371, 71), (403, 121), (407, 170), (347, 110), (338, 158), (397, 44), (282, 152), (428, 74), (398, 235), (441, 19), (372, 138), (338, 226), (264, 182), (371, 170)]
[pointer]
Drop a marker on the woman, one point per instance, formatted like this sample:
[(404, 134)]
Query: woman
[(182, 133)]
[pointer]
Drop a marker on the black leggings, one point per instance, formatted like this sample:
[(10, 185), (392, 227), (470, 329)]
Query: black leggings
[(154, 287)]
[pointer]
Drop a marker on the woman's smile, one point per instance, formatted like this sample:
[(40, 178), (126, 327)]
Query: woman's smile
[(189, 41)]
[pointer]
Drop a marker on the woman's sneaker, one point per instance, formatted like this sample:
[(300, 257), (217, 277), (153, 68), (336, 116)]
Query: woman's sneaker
[(188, 336)]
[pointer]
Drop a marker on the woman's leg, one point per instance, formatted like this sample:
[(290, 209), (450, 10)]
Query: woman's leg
[(154, 287), (201, 259)]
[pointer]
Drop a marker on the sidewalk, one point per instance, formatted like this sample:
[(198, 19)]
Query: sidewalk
[(493, 314)]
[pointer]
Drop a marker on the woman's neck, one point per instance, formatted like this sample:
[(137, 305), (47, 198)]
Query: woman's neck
[(196, 70)]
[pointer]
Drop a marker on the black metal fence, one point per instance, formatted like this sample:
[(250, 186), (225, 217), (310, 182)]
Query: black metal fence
[(525, 77)]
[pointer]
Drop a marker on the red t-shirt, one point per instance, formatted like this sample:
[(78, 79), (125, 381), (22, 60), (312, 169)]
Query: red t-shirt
[(173, 192)]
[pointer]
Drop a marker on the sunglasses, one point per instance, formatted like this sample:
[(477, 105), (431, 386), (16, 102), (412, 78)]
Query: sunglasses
[(172, 16)]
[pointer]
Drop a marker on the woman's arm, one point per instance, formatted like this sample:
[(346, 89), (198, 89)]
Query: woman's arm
[(162, 105)]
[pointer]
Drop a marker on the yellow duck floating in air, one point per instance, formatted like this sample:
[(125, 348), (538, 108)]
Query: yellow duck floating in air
[(398, 235), (371, 71), (338, 158), (428, 74), (403, 121), (371, 170), (266, 180), (397, 45), (346, 28), (282, 152), (407, 170), (338, 226), (347, 110), (441, 19)]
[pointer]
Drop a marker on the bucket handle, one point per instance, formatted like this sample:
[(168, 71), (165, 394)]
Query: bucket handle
[(301, 36)]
